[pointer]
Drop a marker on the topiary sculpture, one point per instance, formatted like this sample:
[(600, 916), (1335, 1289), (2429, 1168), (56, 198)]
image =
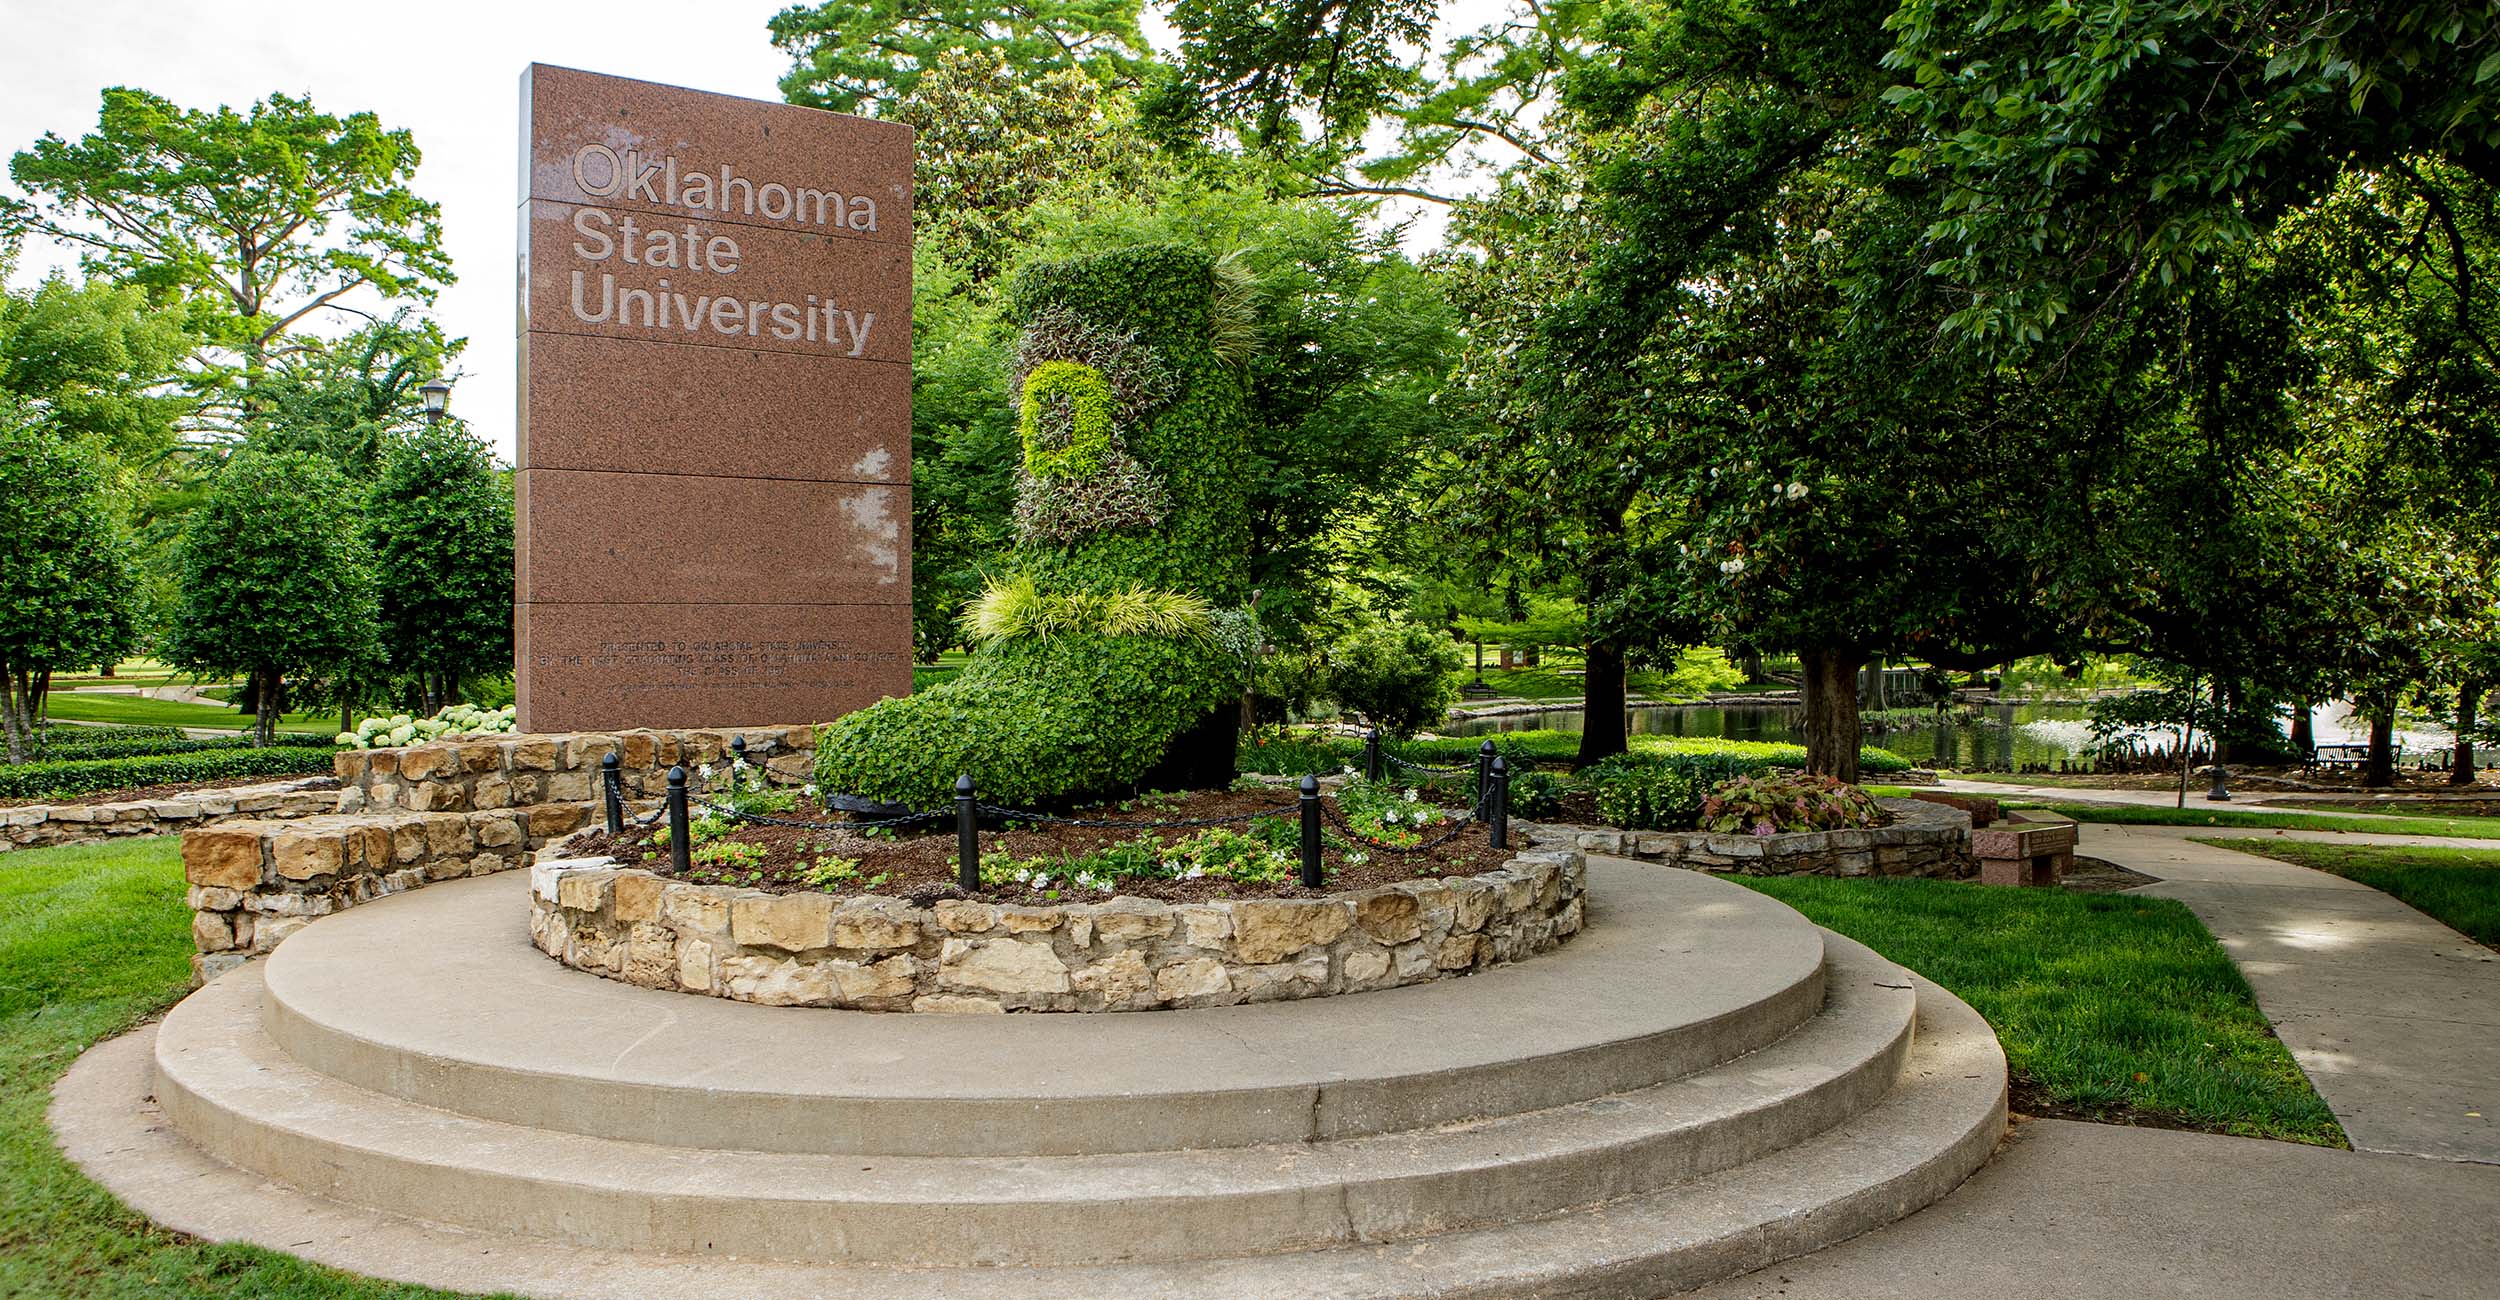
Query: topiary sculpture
[(1107, 658)]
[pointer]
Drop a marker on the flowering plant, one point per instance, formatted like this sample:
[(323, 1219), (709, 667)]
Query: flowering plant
[(1784, 802)]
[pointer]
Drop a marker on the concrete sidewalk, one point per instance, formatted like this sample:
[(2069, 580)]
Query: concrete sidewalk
[(2394, 1017), (2097, 1212)]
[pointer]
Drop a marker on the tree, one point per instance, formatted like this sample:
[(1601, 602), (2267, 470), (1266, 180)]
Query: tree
[(861, 56), (440, 522), (95, 358), (276, 580), (66, 587), (348, 399), (2073, 153), (253, 221)]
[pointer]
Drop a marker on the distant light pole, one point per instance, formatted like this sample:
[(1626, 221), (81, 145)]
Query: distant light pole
[(437, 397)]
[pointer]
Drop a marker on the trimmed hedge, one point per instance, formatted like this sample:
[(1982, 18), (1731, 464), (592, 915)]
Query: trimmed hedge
[(71, 778), (53, 750)]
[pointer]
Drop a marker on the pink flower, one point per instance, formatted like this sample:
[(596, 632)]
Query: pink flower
[(1765, 828)]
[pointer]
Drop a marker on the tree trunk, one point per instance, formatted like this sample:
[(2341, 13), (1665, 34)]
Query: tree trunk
[(1831, 712), (1602, 730), (2304, 733), (2461, 763), (2380, 770), (12, 719), (264, 709), (1749, 659)]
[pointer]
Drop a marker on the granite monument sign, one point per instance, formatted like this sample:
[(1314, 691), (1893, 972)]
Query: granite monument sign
[(714, 469)]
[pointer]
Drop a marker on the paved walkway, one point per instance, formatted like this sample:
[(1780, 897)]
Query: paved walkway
[(2395, 1017), (2098, 1212), (2246, 802)]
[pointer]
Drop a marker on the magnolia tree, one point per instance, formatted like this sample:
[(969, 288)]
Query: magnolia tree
[(66, 585), (276, 581)]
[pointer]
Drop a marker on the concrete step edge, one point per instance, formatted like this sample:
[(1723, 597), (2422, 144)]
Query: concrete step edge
[(236, 1094), (1940, 1125)]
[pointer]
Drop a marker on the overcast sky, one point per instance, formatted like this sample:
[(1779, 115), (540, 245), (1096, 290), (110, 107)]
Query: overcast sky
[(448, 72)]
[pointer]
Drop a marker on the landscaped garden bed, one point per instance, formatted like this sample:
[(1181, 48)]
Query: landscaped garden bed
[(1174, 847)]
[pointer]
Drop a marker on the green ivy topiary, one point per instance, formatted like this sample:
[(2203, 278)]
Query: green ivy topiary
[(1039, 719)]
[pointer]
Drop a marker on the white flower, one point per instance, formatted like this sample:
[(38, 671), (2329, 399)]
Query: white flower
[(737, 765), (1732, 565), (1796, 491), (1347, 770), (1412, 796), (1389, 818), (705, 771), (809, 789)]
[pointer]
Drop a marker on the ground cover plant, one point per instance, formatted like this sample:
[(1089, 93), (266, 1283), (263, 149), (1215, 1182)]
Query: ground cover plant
[(2473, 828), (94, 939), (2112, 1008), (2459, 888), (1247, 844)]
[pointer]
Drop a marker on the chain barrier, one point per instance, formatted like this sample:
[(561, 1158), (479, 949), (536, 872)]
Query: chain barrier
[(767, 819), (1195, 823), (1468, 769)]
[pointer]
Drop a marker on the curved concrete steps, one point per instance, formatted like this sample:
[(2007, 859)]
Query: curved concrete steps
[(427, 1001), (1701, 1084), (229, 1087)]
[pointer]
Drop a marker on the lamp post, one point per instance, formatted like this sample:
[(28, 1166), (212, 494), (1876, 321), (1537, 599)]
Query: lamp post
[(437, 395)]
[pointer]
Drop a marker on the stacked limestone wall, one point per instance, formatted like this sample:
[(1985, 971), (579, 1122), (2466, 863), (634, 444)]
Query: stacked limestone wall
[(1925, 839), (400, 819), (41, 826), (1125, 954), (518, 771)]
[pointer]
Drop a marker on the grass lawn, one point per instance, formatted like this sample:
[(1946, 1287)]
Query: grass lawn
[(2459, 888), (131, 710), (93, 940), (2110, 1008), (2473, 828)]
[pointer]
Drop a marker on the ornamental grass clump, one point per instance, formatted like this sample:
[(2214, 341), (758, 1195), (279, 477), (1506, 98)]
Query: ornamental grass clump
[(1784, 804)]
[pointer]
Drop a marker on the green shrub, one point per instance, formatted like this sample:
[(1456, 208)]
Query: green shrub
[(1536, 795), (1397, 675), (1787, 803), (69, 779), (1648, 797), (61, 744)]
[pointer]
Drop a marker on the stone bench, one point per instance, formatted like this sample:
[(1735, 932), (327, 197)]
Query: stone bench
[(2019, 851)]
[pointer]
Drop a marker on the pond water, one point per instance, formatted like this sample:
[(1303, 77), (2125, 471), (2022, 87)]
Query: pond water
[(2004, 736)]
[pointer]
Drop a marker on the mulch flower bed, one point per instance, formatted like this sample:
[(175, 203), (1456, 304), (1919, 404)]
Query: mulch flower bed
[(1064, 864)]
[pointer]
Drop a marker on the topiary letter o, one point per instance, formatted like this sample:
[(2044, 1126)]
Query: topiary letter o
[(1046, 719)]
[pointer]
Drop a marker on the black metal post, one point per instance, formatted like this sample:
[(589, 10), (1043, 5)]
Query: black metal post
[(1371, 754), (679, 834), (967, 837), (1310, 832), (2221, 792), (737, 754), (1484, 775), (612, 788), (1497, 804)]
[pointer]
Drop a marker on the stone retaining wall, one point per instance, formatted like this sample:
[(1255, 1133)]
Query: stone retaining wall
[(253, 883), (518, 771), (1925, 839), (42, 826), (1127, 954)]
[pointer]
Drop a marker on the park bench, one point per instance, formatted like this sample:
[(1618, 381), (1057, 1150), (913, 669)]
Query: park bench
[(2020, 851)]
